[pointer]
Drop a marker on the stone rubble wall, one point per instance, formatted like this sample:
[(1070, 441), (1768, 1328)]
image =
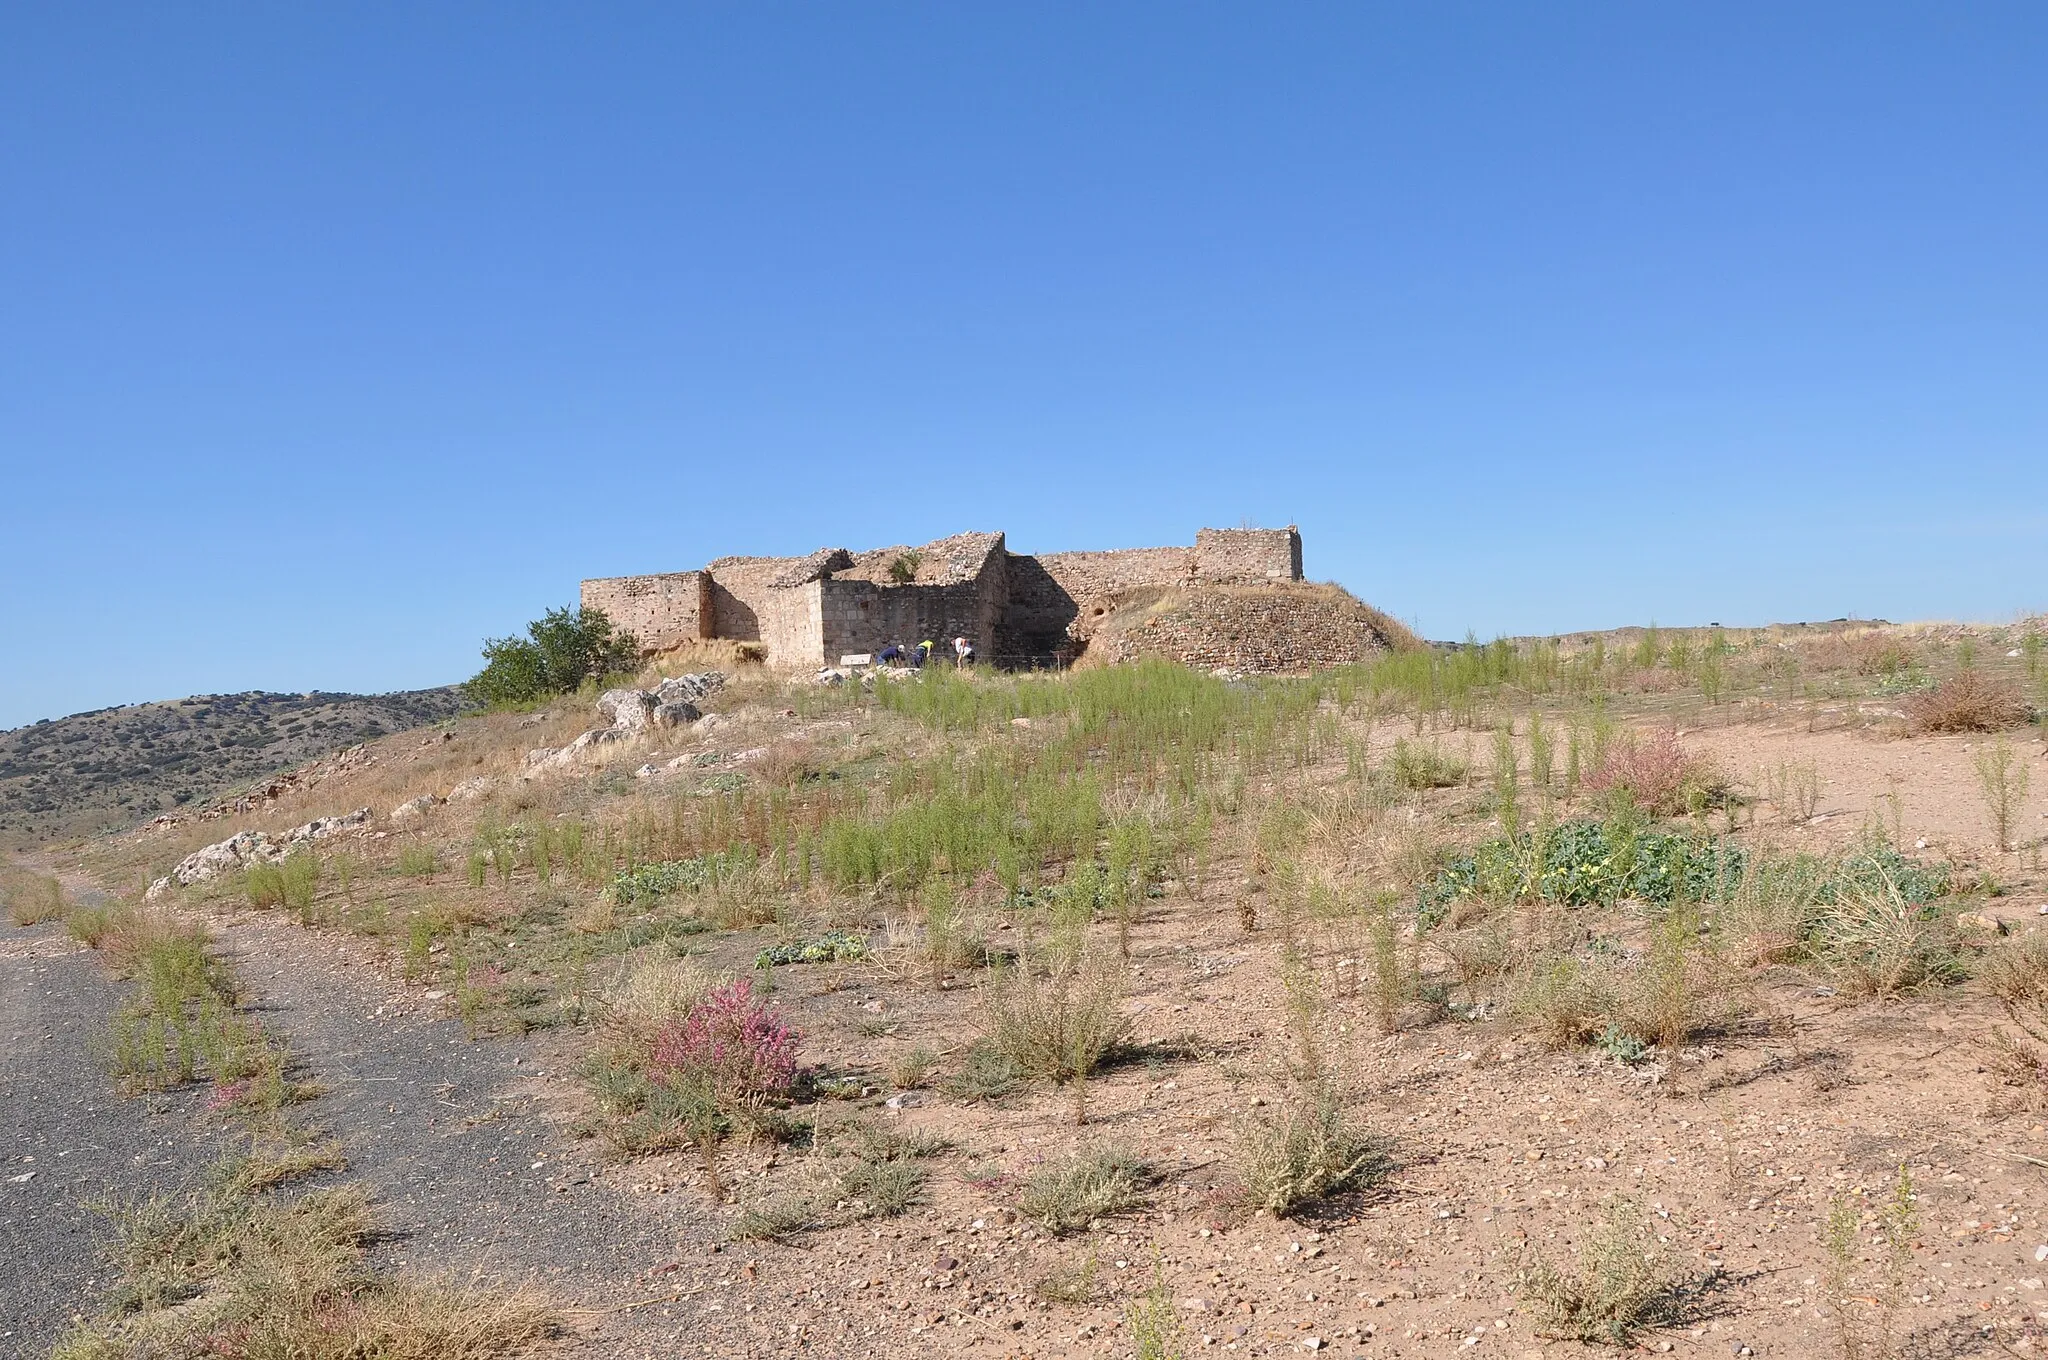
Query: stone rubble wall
[(1248, 555), (1274, 630), (664, 610), (741, 588), (1051, 590), (862, 617)]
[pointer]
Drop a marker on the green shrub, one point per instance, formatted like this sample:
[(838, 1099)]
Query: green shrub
[(561, 649)]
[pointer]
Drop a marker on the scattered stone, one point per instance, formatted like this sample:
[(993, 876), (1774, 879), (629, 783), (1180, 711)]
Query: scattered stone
[(470, 790), (1977, 920), (630, 710), (831, 676), (245, 848), (413, 809), (677, 713), (644, 772)]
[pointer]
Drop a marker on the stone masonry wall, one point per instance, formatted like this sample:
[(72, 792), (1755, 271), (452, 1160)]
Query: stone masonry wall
[(1049, 590), (1248, 555), (792, 625), (863, 616), (666, 610), (740, 590), (1264, 631)]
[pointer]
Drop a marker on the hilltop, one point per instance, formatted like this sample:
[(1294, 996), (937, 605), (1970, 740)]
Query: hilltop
[(113, 767)]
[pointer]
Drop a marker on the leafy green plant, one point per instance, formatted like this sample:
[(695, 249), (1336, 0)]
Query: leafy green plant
[(561, 649), (834, 946)]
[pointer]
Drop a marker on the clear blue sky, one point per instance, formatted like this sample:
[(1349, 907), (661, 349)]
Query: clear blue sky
[(334, 338)]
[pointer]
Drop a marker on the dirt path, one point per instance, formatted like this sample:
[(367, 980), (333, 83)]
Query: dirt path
[(455, 1140), (63, 1127)]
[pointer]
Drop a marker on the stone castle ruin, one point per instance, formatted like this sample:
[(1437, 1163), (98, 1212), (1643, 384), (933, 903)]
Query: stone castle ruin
[(1018, 610)]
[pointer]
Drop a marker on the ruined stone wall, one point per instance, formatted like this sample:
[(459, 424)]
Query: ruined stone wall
[(1048, 591), (1248, 555), (740, 590), (792, 626), (666, 610), (1270, 630), (865, 616)]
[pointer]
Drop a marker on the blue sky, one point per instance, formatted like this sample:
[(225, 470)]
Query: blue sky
[(333, 339)]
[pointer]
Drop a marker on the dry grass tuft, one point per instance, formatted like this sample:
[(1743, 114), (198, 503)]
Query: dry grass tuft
[(1306, 1150), (652, 990), (1057, 1026), (1069, 1196), (1968, 701), (1619, 1285), (31, 898), (268, 1277)]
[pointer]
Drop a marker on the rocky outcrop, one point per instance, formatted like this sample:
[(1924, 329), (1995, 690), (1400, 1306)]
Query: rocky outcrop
[(630, 714), (245, 848), (414, 809)]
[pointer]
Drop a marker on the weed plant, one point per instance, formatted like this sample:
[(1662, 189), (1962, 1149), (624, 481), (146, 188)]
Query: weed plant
[(1309, 1148), (1069, 1196), (1619, 1285)]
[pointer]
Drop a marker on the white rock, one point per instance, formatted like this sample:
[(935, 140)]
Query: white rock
[(237, 851), (541, 755), (628, 709), (688, 688), (413, 809), (644, 772), (470, 789), (831, 675), (320, 828)]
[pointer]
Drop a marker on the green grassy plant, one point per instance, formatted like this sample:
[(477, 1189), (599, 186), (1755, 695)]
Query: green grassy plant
[(1306, 1149), (1067, 1196), (1620, 1285)]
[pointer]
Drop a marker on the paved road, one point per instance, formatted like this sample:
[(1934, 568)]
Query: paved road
[(63, 1126)]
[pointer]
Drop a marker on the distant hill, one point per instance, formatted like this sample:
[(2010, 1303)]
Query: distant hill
[(114, 767)]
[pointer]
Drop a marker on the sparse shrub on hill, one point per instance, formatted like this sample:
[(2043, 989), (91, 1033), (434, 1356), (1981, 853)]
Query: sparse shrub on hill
[(31, 898), (1619, 1285), (1056, 1027), (1066, 1197), (1968, 701), (561, 649)]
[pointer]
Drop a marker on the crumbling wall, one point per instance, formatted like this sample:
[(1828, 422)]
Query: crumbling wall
[(1050, 591), (1272, 629), (792, 625), (665, 610), (1248, 555), (740, 589), (862, 616)]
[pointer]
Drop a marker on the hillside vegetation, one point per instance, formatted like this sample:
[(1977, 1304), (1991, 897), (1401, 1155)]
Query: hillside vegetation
[(113, 767)]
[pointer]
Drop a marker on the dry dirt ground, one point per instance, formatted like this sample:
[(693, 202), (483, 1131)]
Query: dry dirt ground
[(1505, 1151)]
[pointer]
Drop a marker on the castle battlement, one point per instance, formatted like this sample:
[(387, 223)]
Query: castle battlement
[(1017, 609)]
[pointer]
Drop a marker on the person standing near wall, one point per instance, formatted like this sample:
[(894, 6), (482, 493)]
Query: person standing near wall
[(922, 654)]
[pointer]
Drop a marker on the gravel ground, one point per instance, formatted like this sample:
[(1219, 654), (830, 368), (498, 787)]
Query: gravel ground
[(63, 1128), (472, 1175)]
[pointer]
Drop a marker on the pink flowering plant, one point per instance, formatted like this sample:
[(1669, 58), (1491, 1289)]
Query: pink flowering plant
[(734, 1045)]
